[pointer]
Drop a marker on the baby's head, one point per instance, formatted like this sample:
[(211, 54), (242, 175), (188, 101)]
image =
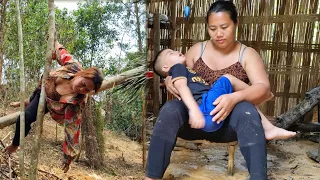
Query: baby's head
[(165, 59)]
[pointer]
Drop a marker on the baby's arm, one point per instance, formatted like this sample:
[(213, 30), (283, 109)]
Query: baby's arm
[(196, 117), (237, 84)]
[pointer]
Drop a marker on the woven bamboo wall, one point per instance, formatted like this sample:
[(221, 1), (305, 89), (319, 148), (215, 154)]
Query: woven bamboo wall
[(284, 32)]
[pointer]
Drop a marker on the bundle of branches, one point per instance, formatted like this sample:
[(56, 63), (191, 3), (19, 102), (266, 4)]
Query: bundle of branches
[(92, 136), (136, 81)]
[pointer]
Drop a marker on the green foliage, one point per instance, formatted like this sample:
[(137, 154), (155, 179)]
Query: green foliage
[(34, 28), (34, 36), (95, 24), (66, 29), (125, 101), (91, 33), (125, 117)]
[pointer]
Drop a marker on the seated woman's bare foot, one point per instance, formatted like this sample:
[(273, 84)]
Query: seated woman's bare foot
[(278, 133)]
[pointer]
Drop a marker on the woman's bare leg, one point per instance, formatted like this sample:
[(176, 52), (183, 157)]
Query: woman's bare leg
[(272, 132)]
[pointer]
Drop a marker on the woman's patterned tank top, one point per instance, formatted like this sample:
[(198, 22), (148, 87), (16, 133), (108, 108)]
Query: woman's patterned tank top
[(211, 76)]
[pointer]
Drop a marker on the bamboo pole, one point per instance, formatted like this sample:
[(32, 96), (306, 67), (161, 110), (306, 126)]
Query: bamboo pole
[(41, 107), (156, 78), (173, 25), (22, 93), (144, 114)]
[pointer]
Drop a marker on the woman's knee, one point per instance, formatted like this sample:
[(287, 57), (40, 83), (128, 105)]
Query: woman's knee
[(173, 110), (245, 112), (172, 116), (173, 105)]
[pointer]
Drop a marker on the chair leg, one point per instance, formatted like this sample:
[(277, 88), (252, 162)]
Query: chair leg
[(231, 160)]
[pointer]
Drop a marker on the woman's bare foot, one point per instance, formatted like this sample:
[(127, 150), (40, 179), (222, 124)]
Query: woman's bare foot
[(278, 133), (15, 104), (11, 149)]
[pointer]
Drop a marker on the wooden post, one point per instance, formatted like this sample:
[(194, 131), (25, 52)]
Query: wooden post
[(144, 114), (319, 113), (319, 133), (318, 158), (173, 45), (57, 133), (173, 25), (231, 160), (156, 78), (22, 94)]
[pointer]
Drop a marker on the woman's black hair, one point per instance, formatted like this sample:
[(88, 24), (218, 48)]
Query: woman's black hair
[(224, 6)]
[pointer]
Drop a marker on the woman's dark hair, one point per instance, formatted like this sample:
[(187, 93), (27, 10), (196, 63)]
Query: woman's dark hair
[(224, 6)]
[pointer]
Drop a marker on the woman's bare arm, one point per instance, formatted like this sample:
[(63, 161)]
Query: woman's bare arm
[(259, 90)]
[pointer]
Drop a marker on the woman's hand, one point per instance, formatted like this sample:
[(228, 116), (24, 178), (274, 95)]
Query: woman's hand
[(224, 105), (171, 88)]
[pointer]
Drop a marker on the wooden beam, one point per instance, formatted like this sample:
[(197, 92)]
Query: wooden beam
[(295, 18), (291, 117), (308, 127)]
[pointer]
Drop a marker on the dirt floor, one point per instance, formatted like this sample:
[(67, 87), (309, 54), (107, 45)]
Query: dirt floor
[(123, 159), (286, 160)]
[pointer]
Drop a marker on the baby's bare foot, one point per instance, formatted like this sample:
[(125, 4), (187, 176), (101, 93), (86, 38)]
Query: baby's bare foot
[(278, 133)]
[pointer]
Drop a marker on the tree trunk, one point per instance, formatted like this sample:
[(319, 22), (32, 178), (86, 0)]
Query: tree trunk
[(138, 26), (22, 93), (2, 33), (287, 119), (42, 101)]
